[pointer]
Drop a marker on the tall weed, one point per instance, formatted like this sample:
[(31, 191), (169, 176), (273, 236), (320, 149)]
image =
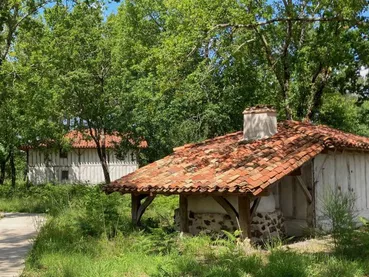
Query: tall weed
[(339, 209)]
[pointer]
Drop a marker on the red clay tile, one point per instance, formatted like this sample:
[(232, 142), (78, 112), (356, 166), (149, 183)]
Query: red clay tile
[(223, 164)]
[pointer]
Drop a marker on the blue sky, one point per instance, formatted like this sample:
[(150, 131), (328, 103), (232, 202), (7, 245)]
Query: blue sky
[(112, 8)]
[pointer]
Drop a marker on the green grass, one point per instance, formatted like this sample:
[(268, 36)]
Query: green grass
[(89, 234)]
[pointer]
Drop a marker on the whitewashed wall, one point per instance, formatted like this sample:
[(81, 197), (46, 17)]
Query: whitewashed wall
[(346, 171), (207, 204), (292, 201), (83, 166)]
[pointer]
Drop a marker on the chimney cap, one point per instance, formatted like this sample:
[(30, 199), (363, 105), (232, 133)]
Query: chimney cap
[(260, 109)]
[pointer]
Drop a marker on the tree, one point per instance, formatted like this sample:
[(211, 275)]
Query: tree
[(304, 46), (14, 16), (75, 44), (190, 67)]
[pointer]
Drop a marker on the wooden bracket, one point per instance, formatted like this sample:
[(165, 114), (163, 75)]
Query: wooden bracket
[(254, 207), (304, 189), (228, 207), (244, 216), (139, 208)]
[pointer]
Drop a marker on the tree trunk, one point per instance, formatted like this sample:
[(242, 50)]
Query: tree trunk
[(3, 169), (12, 169), (2, 172), (101, 149), (101, 152), (26, 170), (105, 168)]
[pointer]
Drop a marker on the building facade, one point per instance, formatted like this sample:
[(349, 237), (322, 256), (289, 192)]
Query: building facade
[(81, 164)]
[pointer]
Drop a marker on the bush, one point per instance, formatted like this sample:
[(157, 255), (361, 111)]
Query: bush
[(102, 214), (339, 208), (47, 198)]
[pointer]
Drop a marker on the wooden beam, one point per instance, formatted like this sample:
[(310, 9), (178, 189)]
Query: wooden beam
[(265, 192), (228, 207), (296, 172), (135, 203), (183, 213), (294, 197), (254, 207), (139, 208), (304, 189), (244, 215), (143, 207)]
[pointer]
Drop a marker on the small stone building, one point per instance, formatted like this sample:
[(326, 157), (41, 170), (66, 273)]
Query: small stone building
[(268, 180)]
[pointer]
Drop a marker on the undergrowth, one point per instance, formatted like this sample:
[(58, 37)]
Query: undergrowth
[(89, 233)]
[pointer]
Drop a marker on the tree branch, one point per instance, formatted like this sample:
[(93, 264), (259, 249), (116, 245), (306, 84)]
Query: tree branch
[(13, 28), (291, 19)]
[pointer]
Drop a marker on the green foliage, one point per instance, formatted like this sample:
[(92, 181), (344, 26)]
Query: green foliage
[(39, 199), (200, 66), (339, 209), (88, 233), (340, 112), (176, 72), (102, 216)]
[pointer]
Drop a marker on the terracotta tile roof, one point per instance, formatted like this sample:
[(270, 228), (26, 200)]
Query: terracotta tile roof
[(224, 164), (80, 139)]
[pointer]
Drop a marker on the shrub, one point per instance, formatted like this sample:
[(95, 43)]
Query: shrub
[(339, 208), (102, 214)]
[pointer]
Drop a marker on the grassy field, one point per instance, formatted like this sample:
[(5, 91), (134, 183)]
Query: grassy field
[(89, 234)]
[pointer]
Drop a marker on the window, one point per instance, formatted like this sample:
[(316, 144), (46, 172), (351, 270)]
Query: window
[(64, 175), (63, 154), (133, 157)]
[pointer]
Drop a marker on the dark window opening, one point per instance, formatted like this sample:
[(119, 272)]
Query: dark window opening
[(133, 157), (64, 175), (63, 154)]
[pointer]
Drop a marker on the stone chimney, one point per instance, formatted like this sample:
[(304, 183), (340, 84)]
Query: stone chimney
[(259, 122)]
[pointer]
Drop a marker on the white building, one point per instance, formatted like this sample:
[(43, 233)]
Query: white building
[(81, 164)]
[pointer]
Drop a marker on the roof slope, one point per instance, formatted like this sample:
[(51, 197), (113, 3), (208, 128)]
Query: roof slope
[(225, 164), (83, 139)]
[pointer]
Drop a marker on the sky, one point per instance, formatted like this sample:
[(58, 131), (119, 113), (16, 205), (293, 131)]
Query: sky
[(112, 8)]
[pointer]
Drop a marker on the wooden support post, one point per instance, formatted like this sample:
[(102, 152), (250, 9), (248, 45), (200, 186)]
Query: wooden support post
[(136, 202), (294, 198), (183, 213), (244, 215)]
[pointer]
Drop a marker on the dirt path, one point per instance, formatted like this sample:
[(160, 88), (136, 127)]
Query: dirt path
[(16, 233)]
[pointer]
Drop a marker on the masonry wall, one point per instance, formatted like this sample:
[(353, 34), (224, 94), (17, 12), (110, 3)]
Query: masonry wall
[(206, 215), (345, 171), (82, 165)]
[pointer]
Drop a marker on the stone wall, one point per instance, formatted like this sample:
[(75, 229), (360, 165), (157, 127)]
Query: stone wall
[(264, 224), (267, 225)]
